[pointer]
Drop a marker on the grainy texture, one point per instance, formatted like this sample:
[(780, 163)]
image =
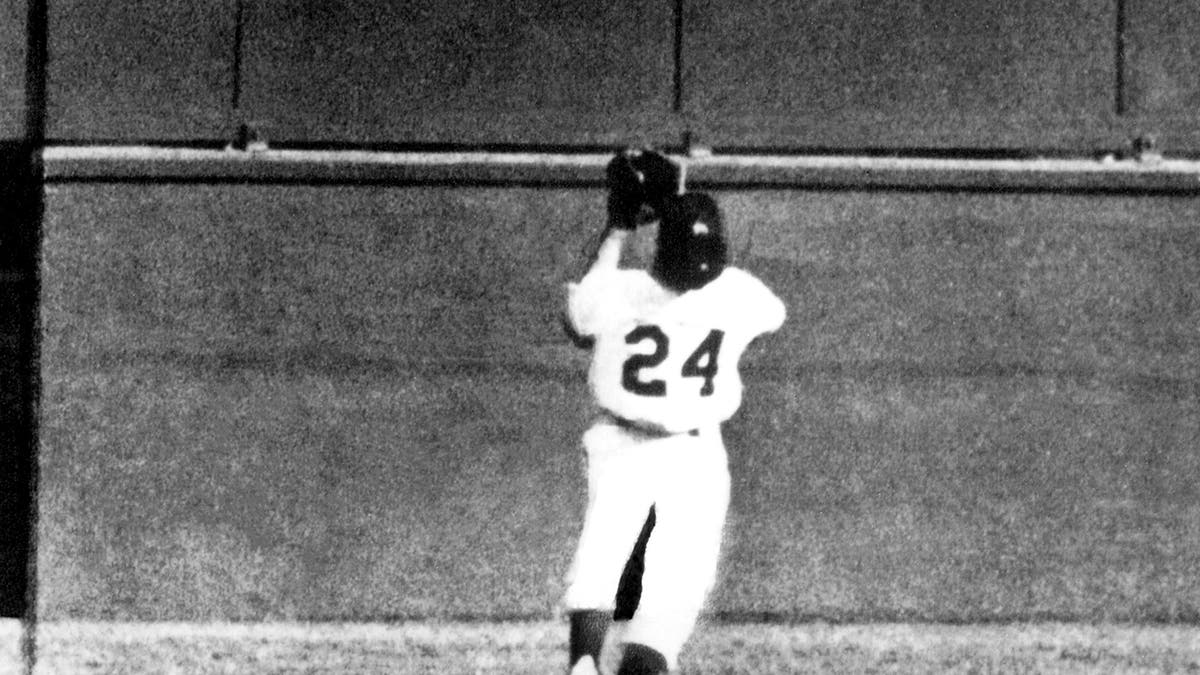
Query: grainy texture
[(356, 403), (12, 69), (10, 647), (1162, 55), (1003, 77), (467, 72), (899, 74), (539, 648), (144, 70), (1007, 77)]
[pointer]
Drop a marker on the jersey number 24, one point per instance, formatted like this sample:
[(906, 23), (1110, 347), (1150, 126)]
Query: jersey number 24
[(630, 372)]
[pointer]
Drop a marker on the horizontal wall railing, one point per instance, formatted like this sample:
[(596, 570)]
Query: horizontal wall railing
[(267, 165)]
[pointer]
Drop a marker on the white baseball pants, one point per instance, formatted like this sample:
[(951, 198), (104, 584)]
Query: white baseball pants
[(686, 479)]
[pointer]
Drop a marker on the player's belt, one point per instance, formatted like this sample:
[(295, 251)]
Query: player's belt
[(646, 429)]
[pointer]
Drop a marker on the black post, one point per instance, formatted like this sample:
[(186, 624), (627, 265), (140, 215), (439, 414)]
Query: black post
[(21, 209)]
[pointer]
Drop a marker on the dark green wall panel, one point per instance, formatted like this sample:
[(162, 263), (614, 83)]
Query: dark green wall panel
[(13, 16), (978, 74), (141, 71), (355, 402), (1077, 77), (468, 72), (1162, 56)]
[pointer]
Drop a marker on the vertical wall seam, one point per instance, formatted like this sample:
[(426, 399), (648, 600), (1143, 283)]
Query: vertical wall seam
[(677, 57), (1120, 104)]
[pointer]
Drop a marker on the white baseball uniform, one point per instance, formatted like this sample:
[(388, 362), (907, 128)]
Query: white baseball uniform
[(664, 372)]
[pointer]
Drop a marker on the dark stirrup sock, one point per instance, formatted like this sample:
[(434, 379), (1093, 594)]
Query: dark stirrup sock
[(588, 627), (642, 660)]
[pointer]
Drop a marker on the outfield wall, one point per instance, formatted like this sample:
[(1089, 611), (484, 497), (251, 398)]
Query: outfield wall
[(355, 402)]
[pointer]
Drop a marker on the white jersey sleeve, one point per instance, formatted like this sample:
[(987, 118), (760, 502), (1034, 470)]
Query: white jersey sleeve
[(608, 297), (671, 361), (749, 298), (589, 301)]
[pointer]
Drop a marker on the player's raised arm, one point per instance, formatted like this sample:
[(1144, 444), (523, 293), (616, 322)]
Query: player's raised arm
[(583, 298), (638, 182), (608, 253)]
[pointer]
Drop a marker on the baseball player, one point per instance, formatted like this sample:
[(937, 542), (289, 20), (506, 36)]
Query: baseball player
[(664, 374)]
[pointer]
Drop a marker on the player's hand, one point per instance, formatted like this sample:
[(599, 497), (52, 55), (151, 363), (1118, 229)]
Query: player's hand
[(637, 179)]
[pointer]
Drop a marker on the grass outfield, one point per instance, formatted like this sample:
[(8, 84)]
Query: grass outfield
[(513, 648)]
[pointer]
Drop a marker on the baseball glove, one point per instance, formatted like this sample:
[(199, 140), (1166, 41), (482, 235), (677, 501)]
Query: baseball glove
[(638, 182)]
